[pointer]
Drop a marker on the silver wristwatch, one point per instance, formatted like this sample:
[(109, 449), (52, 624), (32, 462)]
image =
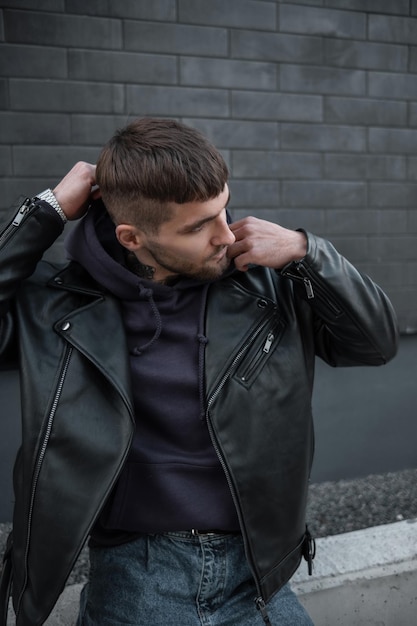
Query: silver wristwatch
[(48, 196)]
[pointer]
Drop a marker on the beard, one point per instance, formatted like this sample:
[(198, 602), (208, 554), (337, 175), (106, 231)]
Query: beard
[(209, 269)]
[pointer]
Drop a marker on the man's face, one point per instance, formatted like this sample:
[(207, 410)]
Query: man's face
[(192, 243)]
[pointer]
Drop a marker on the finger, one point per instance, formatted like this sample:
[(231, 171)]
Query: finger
[(237, 248), (241, 262)]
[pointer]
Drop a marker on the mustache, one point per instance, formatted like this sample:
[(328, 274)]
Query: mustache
[(218, 250)]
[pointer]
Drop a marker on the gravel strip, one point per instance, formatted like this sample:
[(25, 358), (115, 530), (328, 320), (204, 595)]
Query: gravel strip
[(333, 508)]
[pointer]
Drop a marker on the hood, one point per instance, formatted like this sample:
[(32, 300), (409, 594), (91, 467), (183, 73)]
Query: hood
[(93, 244)]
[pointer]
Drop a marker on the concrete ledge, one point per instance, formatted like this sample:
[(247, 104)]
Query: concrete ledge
[(363, 578), (366, 577)]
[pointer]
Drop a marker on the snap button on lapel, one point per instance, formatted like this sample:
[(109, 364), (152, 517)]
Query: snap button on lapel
[(66, 326)]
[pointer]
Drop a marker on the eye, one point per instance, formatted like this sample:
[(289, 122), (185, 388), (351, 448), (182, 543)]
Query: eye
[(197, 229)]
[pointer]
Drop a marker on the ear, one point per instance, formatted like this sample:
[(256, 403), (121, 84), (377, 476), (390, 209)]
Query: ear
[(129, 236)]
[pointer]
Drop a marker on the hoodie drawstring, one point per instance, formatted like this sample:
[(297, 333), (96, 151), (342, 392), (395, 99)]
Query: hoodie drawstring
[(148, 295)]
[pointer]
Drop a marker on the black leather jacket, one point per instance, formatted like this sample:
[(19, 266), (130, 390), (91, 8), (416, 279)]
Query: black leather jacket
[(264, 327)]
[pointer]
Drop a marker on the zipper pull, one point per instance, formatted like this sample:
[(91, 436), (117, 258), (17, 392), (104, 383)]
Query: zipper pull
[(268, 342), (21, 212), (309, 288), (261, 606)]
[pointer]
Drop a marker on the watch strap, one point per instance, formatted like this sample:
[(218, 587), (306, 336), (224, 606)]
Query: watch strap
[(49, 197)]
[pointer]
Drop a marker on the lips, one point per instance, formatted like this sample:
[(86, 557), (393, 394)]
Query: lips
[(219, 255)]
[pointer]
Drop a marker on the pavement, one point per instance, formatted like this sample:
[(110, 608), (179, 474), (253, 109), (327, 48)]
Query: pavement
[(365, 571)]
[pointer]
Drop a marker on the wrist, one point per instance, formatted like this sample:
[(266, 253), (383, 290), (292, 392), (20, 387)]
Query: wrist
[(49, 197), (299, 245)]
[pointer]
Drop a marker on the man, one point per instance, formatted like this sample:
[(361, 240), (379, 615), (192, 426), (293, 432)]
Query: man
[(167, 374)]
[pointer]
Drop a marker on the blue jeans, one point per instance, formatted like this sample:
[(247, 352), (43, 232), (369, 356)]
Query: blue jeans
[(178, 579)]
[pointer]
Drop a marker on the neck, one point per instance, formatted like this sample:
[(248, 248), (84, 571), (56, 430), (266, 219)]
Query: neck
[(137, 267)]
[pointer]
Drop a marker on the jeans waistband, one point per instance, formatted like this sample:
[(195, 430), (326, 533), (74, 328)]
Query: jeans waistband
[(203, 534)]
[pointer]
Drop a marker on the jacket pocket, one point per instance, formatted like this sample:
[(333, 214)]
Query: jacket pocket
[(259, 353)]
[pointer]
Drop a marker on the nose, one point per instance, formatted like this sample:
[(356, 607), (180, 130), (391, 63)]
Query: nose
[(223, 235)]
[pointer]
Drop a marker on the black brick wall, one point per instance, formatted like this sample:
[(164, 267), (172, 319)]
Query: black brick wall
[(312, 102)]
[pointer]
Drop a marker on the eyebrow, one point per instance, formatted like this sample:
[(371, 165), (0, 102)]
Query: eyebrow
[(190, 227)]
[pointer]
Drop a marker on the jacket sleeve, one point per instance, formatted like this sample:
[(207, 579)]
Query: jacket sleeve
[(31, 230), (355, 323)]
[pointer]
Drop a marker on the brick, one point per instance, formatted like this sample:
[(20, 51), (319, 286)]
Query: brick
[(227, 157), (277, 47), (399, 247), (126, 9), (387, 273), (175, 39), (311, 220), (351, 222), (2, 37), (11, 189), (323, 194), (36, 160), (365, 167), (412, 168), (259, 193), (401, 30), (413, 113), (58, 6), (122, 67), (413, 7), (399, 86), (5, 161), (62, 30), (366, 55), (34, 128), (276, 106), (269, 164), (95, 130), (322, 80), (412, 220), (392, 194), (33, 61), (320, 21), (322, 137), (399, 7), (233, 13), (4, 94), (31, 95), (405, 304), (413, 59), (392, 221), (411, 273), (393, 140), (365, 111), (228, 73), (355, 248), (172, 101), (238, 133)]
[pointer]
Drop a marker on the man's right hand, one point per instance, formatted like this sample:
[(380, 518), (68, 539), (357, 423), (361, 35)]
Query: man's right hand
[(76, 190)]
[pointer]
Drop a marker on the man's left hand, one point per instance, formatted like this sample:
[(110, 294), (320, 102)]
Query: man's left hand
[(264, 243)]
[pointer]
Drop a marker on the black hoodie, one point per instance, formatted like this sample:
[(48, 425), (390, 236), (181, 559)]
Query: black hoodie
[(172, 479)]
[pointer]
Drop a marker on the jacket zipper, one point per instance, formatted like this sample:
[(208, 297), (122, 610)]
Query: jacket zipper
[(259, 601), (257, 358), (304, 276), (40, 460), (305, 279), (17, 220)]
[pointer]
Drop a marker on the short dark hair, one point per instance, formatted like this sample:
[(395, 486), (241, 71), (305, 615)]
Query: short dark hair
[(153, 162)]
